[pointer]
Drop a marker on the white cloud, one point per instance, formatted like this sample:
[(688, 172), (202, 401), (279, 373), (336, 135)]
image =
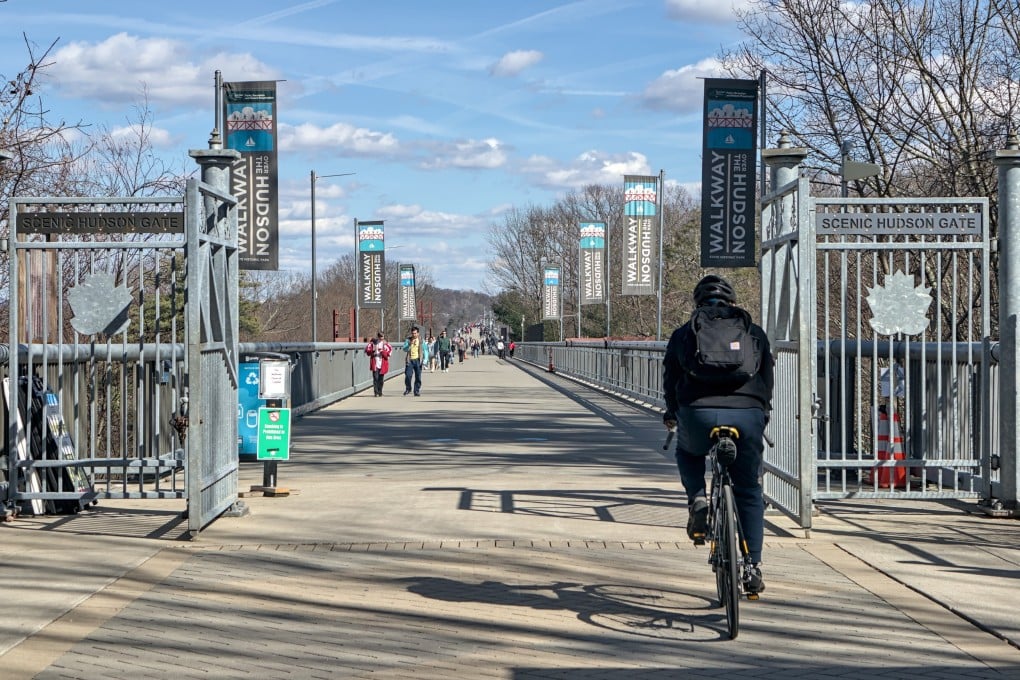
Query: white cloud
[(591, 167), (117, 70), (486, 154), (512, 63), (412, 222), (713, 11), (159, 138), (353, 140), (681, 90)]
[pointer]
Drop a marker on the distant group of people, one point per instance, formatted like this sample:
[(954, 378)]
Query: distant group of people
[(502, 348), (435, 354), (443, 348)]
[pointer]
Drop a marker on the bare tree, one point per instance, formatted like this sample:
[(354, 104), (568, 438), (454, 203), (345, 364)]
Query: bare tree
[(517, 246), (56, 158), (923, 88), (526, 237), (123, 161), (44, 151), (926, 89)]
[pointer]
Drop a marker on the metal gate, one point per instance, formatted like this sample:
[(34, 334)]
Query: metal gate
[(212, 353), (902, 314), (878, 310), (119, 310)]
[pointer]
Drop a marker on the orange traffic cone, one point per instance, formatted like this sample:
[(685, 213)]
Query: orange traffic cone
[(889, 446)]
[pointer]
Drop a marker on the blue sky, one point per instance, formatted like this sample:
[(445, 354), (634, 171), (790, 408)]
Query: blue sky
[(449, 112)]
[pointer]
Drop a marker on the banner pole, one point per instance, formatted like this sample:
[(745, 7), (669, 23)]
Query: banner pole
[(762, 101), (608, 282), (560, 290), (579, 289), (661, 202), (220, 133), (357, 286)]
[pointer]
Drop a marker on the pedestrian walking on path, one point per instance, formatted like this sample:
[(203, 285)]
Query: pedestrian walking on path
[(417, 354), (444, 347), (378, 352)]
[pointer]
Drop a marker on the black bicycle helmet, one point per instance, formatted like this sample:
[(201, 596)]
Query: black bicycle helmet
[(711, 288)]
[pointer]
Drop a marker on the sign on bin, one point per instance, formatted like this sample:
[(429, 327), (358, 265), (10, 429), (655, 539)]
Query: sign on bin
[(274, 382), (274, 434)]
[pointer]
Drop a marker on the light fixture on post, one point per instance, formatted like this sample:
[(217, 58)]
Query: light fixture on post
[(315, 295)]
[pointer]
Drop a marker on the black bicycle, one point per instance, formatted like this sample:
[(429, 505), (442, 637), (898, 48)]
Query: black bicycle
[(727, 546)]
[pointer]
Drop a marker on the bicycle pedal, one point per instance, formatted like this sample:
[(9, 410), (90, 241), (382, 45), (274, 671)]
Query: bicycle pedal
[(754, 597), (699, 540)]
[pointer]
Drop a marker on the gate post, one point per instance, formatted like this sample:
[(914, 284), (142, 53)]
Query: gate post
[(1008, 163), (6, 505), (784, 161), (212, 486), (791, 319)]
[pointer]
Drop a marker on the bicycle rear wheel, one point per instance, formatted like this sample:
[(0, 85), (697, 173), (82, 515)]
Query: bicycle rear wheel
[(719, 552), (730, 562)]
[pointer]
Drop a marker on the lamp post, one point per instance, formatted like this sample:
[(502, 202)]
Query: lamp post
[(315, 295)]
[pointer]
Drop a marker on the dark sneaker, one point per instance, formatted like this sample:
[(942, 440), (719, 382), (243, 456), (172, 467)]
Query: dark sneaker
[(407, 392), (697, 521), (753, 581)]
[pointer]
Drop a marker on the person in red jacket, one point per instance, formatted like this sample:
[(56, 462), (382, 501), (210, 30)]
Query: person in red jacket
[(378, 352)]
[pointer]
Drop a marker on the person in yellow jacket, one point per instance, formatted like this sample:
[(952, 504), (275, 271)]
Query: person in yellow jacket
[(417, 356)]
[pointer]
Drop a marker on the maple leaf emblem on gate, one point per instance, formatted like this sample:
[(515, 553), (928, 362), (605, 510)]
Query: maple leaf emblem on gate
[(99, 305), (899, 306)]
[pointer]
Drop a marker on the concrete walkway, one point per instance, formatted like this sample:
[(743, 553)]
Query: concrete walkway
[(508, 524)]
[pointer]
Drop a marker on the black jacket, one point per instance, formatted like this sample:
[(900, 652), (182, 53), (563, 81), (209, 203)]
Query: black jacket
[(681, 390)]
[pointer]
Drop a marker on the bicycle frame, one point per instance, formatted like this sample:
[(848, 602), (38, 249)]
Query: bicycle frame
[(729, 562)]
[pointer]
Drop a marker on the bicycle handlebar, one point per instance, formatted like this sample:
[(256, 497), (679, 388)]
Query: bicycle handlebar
[(671, 433), (669, 438)]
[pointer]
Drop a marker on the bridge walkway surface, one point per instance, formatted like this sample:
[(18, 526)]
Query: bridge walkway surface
[(509, 523)]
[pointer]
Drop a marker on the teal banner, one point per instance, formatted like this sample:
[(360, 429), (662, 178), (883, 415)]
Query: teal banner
[(249, 119), (551, 293), (371, 265), (592, 248), (728, 173), (408, 304), (640, 240)]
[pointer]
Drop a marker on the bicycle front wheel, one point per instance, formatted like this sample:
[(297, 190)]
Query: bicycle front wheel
[(730, 563)]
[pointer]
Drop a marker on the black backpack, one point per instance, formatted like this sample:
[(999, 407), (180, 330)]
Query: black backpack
[(720, 349)]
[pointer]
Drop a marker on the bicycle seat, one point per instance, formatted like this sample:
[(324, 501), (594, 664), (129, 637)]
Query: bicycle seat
[(725, 446), (720, 431)]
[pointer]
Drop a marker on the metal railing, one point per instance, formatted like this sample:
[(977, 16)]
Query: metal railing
[(145, 381), (634, 370), (119, 403)]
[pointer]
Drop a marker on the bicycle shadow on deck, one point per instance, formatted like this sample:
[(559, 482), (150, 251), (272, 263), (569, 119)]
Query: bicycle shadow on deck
[(626, 505), (634, 610)]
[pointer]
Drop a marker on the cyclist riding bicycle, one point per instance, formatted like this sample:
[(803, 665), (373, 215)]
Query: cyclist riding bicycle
[(718, 370)]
